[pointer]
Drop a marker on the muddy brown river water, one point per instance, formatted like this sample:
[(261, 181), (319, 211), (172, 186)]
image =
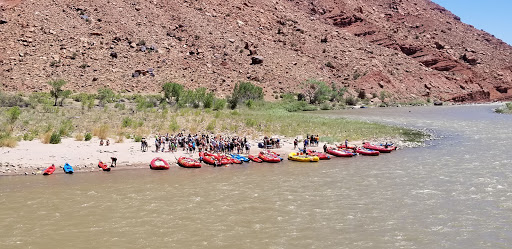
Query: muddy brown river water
[(454, 193)]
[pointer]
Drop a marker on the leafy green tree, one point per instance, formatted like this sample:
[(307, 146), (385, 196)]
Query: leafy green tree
[(172, 90), (56, 90), (243, 92), (316, 91)]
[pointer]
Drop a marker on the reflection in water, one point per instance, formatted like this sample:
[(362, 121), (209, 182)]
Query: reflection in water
[(455, 193)]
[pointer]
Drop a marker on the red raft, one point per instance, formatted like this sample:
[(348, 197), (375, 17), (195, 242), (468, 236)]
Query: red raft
[(269, 157), (320, 155), (49, 170), (342, 146), (379, 148), (158, 164), (255, 159), (340, 153), (103, 166), (221, 159), (367, 152), (208, 159), (187, 162)]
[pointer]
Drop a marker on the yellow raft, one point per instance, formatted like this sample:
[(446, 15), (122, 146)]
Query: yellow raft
[(302, 158)]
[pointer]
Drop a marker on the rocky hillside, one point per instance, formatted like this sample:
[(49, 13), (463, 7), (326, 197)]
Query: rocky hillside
[(410, 49)]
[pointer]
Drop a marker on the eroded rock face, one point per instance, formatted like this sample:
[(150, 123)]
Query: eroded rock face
[(408, 49)]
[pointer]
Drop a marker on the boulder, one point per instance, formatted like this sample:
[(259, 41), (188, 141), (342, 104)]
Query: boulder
[(438, 103), (2, 21), (256, 60), (113, 55)]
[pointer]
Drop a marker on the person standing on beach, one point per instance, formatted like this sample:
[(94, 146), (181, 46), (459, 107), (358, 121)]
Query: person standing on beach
[(325, 148), (346, 143), (114, 161), (157, 144)]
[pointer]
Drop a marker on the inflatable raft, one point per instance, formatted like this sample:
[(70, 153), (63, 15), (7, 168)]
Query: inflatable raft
[(299, 157), (158, 164), (187, 162), (49, 170)]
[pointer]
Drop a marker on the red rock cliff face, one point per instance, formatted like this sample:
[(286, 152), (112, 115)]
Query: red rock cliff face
[(409, 49)]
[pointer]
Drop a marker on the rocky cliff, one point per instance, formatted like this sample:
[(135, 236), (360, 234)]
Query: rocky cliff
[(409, 49)]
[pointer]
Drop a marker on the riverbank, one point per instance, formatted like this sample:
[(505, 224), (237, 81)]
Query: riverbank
[(32, 157)]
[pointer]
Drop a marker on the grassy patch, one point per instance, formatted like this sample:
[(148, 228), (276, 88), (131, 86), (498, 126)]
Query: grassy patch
[(505, 109)]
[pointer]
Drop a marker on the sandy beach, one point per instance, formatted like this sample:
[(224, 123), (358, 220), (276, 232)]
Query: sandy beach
[(32, 157)]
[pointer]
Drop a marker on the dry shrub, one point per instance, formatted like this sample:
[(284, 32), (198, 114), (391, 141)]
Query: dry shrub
[(79, 137), (10, 142), (120, 139), (120, 136), (142, 132), (102, 131), (45, 138)]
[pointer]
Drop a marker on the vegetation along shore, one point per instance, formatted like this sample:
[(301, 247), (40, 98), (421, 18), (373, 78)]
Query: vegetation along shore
[(77, 118)]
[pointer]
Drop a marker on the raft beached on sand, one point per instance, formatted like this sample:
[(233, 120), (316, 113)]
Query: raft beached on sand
[(103, 166), (158, 164), (380, 148), (187, 162), (68, 169), (49, 170), (340, 153), (300, 157)]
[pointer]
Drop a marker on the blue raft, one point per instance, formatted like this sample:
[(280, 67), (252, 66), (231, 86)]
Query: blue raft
[(240, 157), (68, 169)]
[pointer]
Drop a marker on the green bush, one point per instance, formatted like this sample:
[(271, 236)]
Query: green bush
[(297, 106), (28, 136), (325, 106), (120, 106), (219, 104), (208, 100), (55, 138), (172, 90), (127, 122), (12, 100), (137, 138), (106, 95), (173, 126), (211, 126), (88, 136), (243, 92), (350, 100), (66, 128), (13, 114)]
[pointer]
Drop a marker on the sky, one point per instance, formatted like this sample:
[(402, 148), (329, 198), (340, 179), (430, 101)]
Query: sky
[(492, 16)]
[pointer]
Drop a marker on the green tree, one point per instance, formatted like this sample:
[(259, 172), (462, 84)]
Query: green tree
[(56, 90), (172, 90), (244, 91), (316, 91)]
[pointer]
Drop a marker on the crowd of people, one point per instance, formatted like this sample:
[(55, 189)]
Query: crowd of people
[(199, 143)]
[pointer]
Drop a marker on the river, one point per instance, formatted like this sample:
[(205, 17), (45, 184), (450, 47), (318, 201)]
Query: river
[(454, 193)]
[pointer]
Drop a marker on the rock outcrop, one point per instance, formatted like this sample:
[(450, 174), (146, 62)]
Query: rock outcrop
[(408, 49)]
